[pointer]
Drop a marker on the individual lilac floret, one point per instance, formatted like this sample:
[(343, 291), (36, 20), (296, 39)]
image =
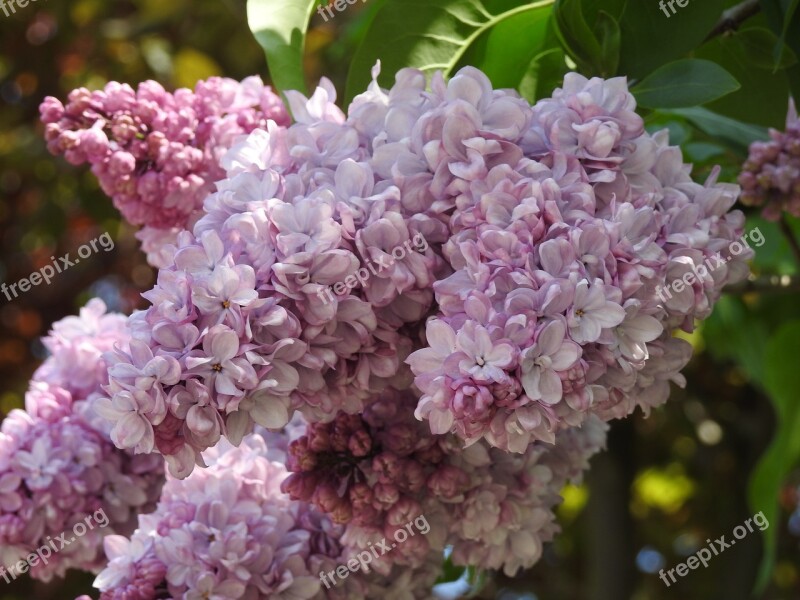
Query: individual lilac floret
[(771, 176), (58, 469), (155, 153)]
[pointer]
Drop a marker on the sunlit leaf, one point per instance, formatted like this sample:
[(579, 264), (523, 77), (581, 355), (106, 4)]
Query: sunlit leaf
[(429, 35), (280, 28)]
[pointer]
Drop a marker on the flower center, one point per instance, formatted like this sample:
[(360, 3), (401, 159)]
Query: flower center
[(579, 312), (226, 304), (217, 367)]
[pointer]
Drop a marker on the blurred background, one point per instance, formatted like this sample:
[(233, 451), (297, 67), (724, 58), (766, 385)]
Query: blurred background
[(666, 484)]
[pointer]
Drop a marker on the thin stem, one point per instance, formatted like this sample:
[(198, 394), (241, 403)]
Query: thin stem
[(786, 229), (735, 16)]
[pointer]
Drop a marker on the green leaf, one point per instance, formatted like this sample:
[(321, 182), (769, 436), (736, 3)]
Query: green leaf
[(782, 380), (787, 18), (685, 83), (577, 37), (428, 34), (545, 73), (591, 8), (505, 51), (650, 38), (703, 151), (764, 95), (280, 27), (608, 32), (736, 132), (595, 49), (757, 46), (547, 69), (781, 17)]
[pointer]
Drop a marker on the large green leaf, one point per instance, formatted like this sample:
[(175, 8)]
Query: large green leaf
[(650, 38), (732, 131), (685, 83), (577, 36), (615, 8), (429, 35), (747, 55), (593, 42), (505, 51), (280, 27), (610, 36), (545, 73), (546, 70), (756, 45), (782, 380), (782, 17)]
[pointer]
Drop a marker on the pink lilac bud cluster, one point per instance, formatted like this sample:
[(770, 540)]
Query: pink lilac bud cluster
[(57, 467), (377, 472), (156, 154), (229, 532), (562, 221), (241, 330), (771, 176)]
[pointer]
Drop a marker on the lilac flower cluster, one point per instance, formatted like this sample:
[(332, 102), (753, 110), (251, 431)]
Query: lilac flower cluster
[(550, 228), (229, 532), (530, 319), (57, 464), (562, 221), (771, 176), (377, 471), (238, 333), (157, 154)]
